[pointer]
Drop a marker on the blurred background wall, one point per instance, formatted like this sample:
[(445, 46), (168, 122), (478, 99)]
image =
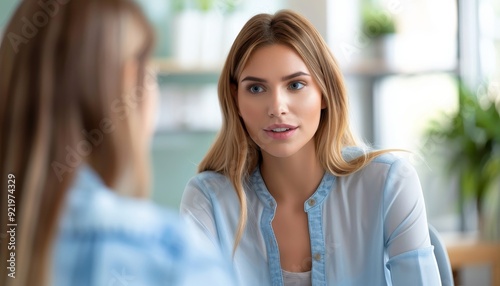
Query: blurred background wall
[(400, 58)]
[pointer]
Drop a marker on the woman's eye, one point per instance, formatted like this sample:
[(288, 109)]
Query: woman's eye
[(296, 85), (255, 89)]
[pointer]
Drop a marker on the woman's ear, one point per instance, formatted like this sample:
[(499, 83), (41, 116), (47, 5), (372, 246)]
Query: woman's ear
[(323, 102)]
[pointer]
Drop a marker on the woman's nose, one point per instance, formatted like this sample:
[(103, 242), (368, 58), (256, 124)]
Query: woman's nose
[(278, 105)]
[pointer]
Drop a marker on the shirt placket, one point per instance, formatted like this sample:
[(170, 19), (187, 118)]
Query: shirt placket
[(271, 243), (313, 208), (314, 217)]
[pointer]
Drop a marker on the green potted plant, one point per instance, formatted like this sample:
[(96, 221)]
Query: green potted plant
[(185, 33), (378, 27), (376, 22), (205, 5), (211, 30), (471, 141)]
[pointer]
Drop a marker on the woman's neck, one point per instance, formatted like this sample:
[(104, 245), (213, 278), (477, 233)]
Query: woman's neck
[(293, 179)]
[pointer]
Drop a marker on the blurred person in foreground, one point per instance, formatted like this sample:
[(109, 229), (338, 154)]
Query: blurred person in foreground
[(77, 104)]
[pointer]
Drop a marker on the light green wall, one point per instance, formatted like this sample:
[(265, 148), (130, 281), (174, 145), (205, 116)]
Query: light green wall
[(175, 157), (6, 9), (159, 13)]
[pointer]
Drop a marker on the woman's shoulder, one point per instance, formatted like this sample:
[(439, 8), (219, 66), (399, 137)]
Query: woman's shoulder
[(390, 157), (209, 181), (210, 176), (158, 247), (386, 164), (91, 206), (130, 238)]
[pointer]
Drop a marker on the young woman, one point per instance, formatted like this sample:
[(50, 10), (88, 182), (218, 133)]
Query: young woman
[(76, 109), (286, 190)]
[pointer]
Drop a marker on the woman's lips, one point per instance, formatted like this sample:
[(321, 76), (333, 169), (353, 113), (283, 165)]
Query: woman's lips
[(280, 131)]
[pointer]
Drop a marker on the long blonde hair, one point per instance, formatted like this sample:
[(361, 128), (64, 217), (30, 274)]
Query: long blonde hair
[(233, 153), (63, 104)]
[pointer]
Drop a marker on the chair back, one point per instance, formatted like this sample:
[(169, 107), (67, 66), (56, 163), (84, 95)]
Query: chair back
[(443, 261)]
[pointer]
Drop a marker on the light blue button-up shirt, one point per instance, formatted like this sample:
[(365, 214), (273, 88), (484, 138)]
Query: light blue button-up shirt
[(110, 240), (367, 228)]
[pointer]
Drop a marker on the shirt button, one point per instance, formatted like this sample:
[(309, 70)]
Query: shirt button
[(271, 204), (311, 202), (317, 256)]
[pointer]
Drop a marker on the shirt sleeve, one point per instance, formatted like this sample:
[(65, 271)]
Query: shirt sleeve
[(196, 206), (171, 254), (179, 257), (406, 233), (204, 263)]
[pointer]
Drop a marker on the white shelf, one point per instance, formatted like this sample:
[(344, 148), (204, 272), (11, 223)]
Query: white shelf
[(372, 68), (169, 66)]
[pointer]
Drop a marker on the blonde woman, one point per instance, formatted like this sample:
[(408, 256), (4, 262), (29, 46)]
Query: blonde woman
[(76, 109), (286, 190)]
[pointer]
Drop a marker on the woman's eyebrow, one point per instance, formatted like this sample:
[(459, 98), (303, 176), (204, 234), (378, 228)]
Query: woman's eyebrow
[(294, 75), (252, 78), (257, 79)]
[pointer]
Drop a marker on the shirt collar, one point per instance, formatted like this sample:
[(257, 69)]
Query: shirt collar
[(258, 185)]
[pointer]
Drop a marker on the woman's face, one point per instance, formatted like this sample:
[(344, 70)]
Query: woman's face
[(148, 102), (152, 95), (279, 101)]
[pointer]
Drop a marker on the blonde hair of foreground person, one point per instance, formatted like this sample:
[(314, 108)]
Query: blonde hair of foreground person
[(60, 79), (234, 153)]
